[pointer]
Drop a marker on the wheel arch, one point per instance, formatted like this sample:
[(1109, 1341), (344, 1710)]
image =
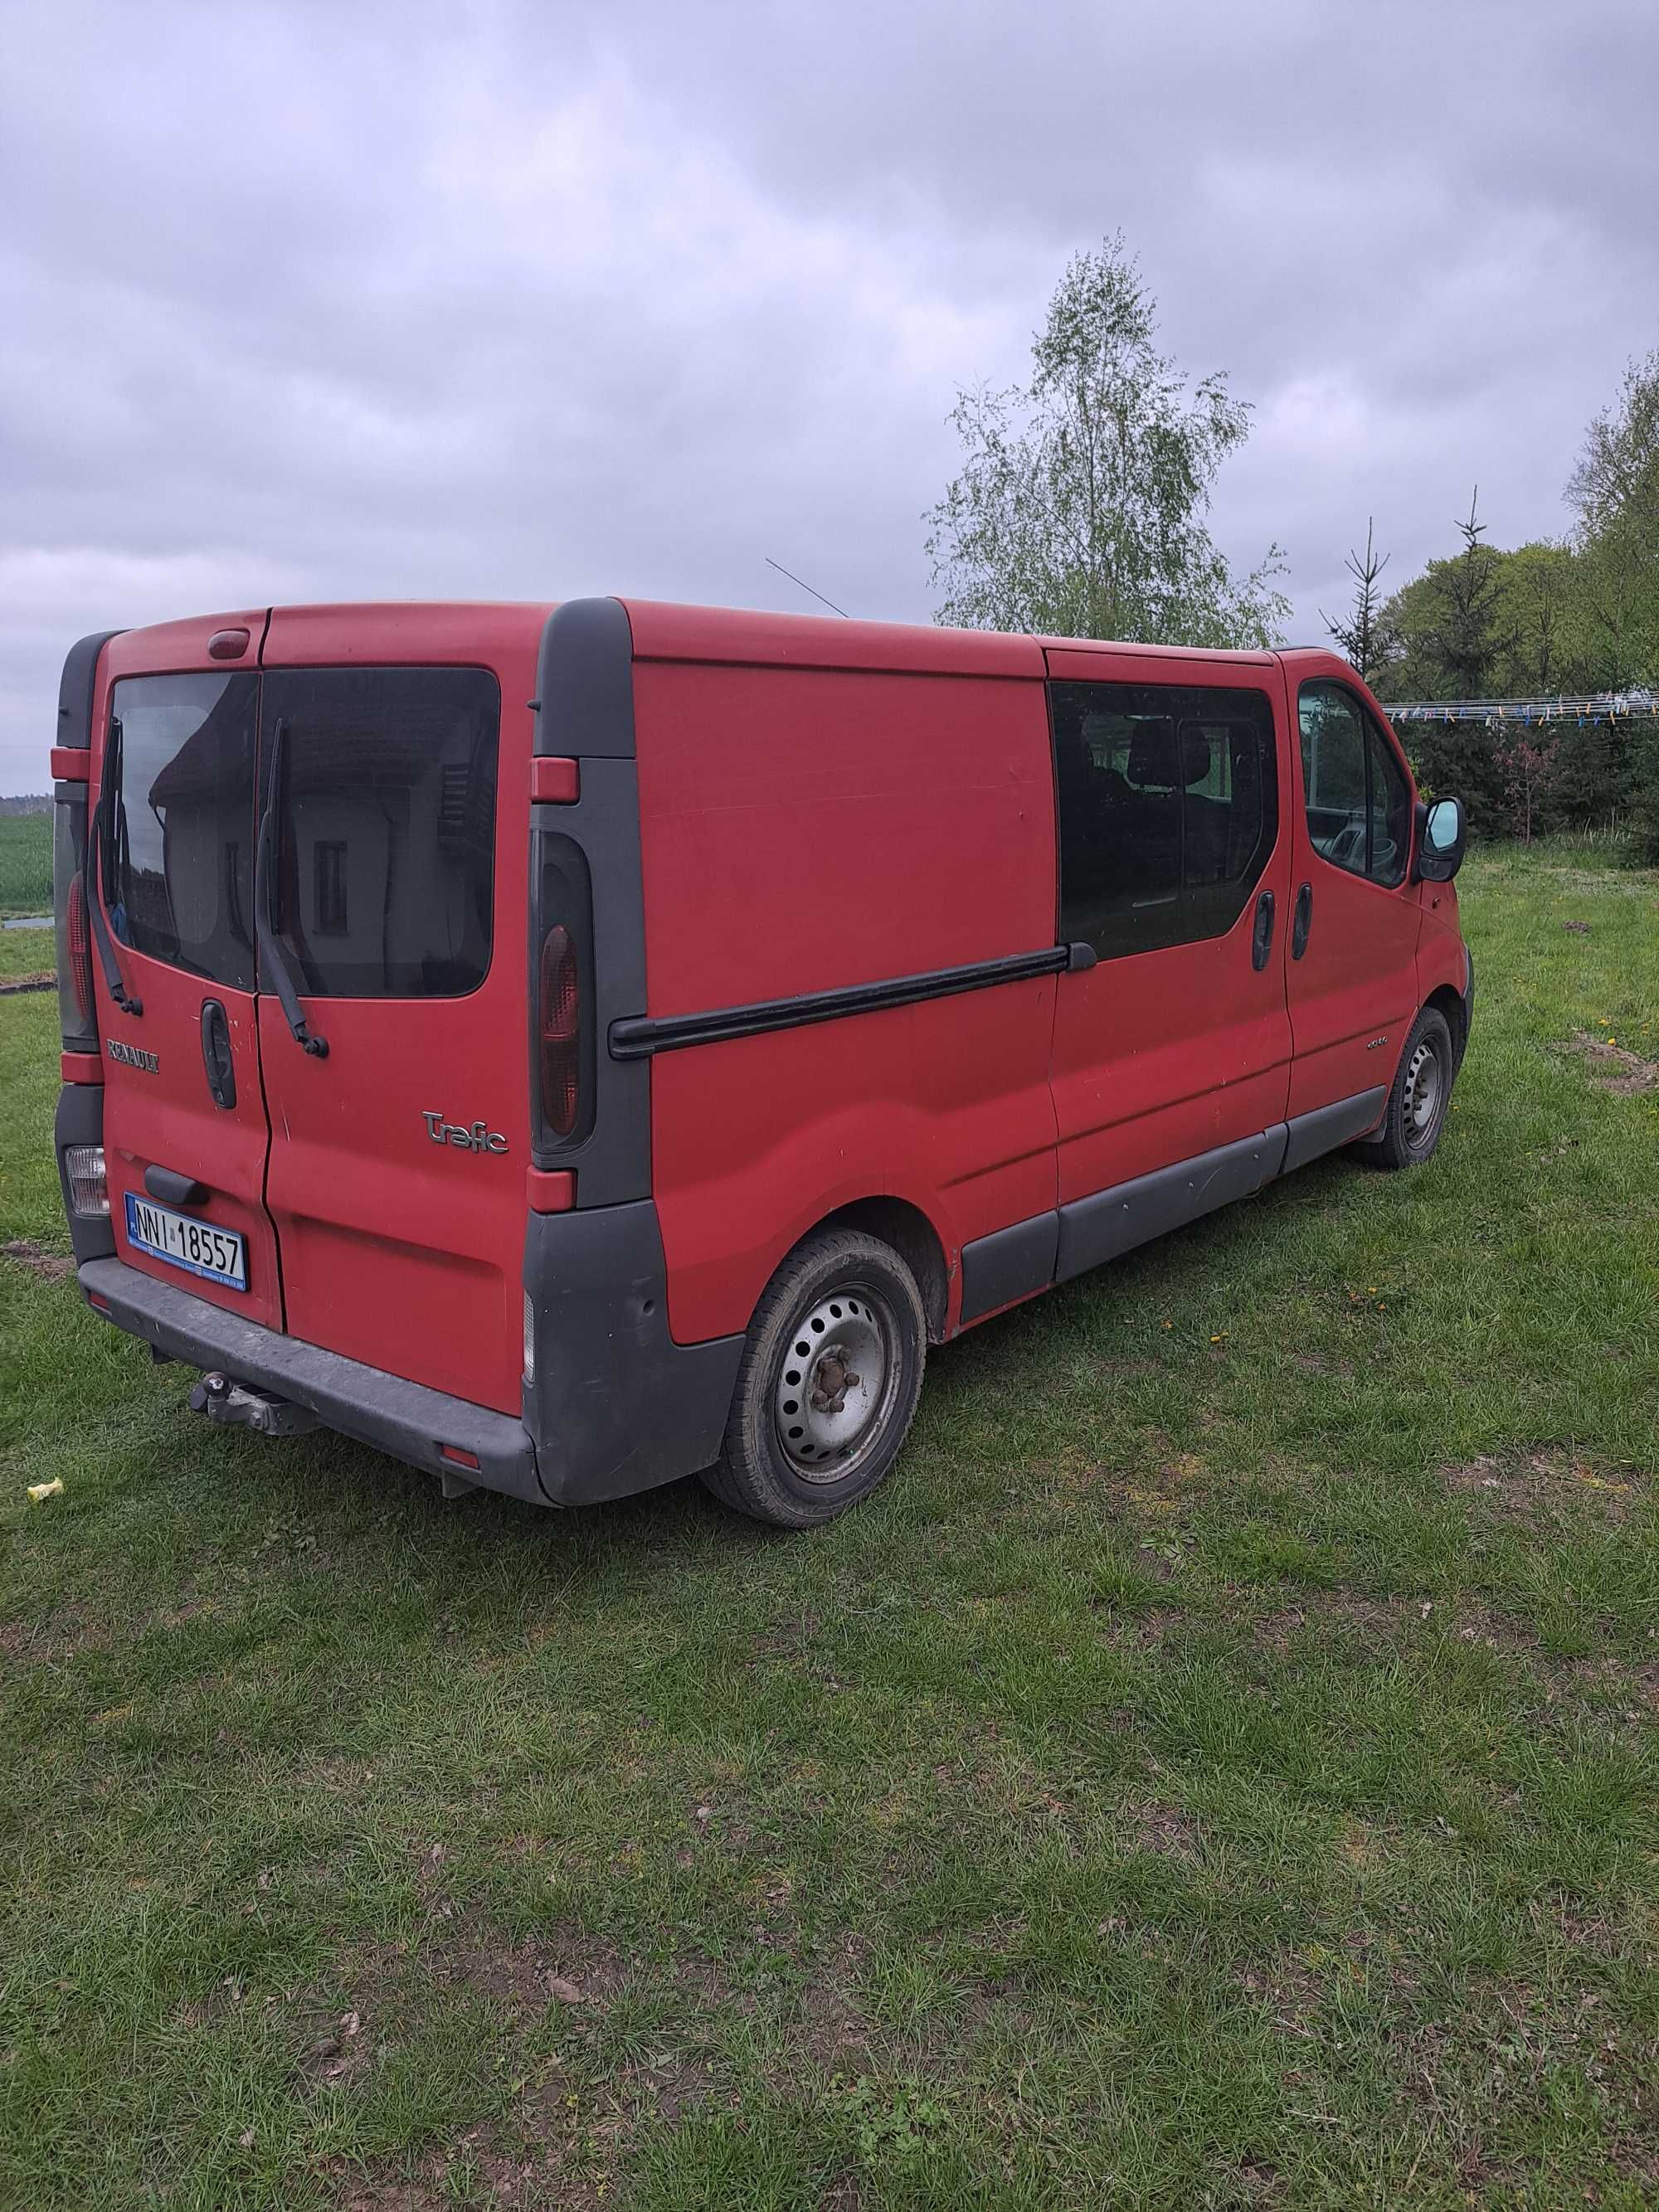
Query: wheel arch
[(905, 1226), (1448, 1003)]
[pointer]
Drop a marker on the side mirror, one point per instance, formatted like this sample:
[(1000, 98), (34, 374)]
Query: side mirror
[(1442, 833)]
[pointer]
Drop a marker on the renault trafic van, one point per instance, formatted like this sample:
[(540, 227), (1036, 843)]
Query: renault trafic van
[(571, 1048)]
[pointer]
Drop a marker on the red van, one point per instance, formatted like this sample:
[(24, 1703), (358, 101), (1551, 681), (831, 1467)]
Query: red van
[(573, 1048)]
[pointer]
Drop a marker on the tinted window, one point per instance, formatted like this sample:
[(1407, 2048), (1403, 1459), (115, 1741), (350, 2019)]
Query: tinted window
[(1167, 799), (1357, 799), (180, 833), (386, 827)]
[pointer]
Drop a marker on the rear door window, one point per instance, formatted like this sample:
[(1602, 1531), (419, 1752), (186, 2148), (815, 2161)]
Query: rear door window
[(386, 827), (179, 836), (1168, 809)]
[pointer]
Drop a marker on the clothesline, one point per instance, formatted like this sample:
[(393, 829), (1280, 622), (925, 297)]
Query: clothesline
[(1600, 707)]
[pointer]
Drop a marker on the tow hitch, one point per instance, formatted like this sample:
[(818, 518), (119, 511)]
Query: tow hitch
[(240, 1406)]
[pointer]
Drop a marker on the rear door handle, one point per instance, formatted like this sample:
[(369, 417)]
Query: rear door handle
[(173, 1188), (1262, 941), (217, 1056), (1301, 921)]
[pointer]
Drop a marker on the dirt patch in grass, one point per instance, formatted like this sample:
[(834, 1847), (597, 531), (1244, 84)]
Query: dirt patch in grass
[(835, 2033), (1162, 1830), (1326, 1609), (1613, 1066), (49, 1266), (565, 1969), (476, 2172), (1532, 1488), (1285, 1986)]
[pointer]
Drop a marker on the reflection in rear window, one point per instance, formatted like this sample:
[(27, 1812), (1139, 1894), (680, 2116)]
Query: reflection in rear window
[(180, 843), (386, 827)]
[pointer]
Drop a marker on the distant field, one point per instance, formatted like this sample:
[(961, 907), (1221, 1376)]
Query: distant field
[(25, 864)]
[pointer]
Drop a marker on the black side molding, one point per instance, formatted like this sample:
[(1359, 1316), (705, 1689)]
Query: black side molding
[(1009, 1264), (639, 1036), (1114, 1221), (1047, 1248), (1328, 1126)]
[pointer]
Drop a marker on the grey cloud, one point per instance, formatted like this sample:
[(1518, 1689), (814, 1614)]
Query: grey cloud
[(309, 302)]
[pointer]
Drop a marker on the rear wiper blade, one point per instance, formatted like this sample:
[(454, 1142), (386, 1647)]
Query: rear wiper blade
[(271, 947), (93, 873)]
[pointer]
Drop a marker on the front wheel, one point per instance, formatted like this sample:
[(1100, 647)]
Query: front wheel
[(1417, 1104), (828, 1384)]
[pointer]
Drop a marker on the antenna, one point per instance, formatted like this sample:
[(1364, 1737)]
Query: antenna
[(805, 587)]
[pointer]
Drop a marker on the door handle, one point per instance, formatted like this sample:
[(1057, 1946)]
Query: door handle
[(216, 1056), (1262, 940), (173, 1188), (1301, 921)]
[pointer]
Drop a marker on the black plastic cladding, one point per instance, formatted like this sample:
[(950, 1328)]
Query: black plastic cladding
[(617, 1405), (585, 681), (80, 1120), (585, 712), (75, 688)]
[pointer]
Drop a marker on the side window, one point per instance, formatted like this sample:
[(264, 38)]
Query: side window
[(178, 873), (1357, 799), (386, 827), (1390, 811), (1167, 799)]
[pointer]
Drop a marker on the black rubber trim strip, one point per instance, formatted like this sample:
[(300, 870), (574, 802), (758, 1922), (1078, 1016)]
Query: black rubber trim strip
[(639, 1036), (1328, 1127), (1110, 1222), (405, 1419), (1008, 1264), (1086, 1232)]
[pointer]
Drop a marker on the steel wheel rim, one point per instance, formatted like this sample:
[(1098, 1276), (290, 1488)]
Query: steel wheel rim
[(836, 1383), (1421, 1102)]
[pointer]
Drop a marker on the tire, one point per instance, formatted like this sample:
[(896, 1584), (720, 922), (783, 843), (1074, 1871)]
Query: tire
[(1416, 1112), (799, 1451)]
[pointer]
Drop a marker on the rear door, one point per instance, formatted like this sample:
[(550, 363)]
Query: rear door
[(394, 829), (1170, 783), (1355, 917), (184, 1128)]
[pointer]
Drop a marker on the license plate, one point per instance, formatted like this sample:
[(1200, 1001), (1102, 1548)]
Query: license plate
[(218, 1255)]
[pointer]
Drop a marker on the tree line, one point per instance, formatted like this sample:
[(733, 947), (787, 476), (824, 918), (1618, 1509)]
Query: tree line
[(1080, 509)]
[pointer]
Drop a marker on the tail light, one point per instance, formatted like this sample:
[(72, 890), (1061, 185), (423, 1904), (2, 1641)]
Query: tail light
[(78, 1012), (88, 1184), (558, 1023), (79, 949)]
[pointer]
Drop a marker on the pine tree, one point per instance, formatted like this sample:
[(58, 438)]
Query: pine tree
[(1465, 630), (1362, 637)]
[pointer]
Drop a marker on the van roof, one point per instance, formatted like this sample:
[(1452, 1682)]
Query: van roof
[(665, 630)]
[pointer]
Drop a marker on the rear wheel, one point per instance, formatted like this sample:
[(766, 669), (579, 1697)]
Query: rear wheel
[(1417, 1104), (828, 1384)]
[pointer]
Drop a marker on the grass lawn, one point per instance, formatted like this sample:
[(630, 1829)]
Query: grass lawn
[(26, 863), (1218, 1770)]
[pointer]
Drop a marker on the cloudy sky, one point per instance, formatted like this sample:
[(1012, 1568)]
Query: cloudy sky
[(338, 300)]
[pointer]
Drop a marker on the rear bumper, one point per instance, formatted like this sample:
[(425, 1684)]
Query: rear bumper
[(404, 1418)]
